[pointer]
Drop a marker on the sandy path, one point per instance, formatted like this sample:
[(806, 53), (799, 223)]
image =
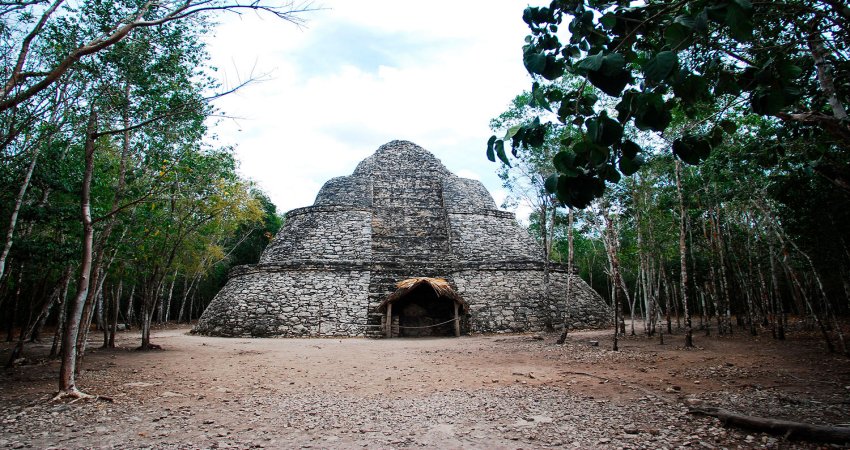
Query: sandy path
[(471, 392)]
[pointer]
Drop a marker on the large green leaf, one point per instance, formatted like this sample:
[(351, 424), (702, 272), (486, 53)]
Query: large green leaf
[(608, 20), (690, 88), (767, 101), (651, 112), (612, 85), (627, 106), (603, 130), (692, 149), (580, 190), (678, 36), (739, 21), (591, 63), (564, 162), (599, 155), (535, 62), (609, 173), (630, 165), (630, 149), (613, 64), (661, 66), (553, 69), (491, 154), (500, 152)]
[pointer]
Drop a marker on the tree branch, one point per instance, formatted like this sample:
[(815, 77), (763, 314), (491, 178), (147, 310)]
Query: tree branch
[(179, 12)]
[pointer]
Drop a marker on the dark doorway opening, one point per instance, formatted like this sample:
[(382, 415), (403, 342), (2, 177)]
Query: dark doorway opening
[(422, 312), (423, 307)]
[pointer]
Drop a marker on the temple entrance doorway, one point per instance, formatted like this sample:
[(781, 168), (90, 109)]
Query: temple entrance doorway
[(423, 307)]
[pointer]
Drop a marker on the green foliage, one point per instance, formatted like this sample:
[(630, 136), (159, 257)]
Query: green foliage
[(658, 59), (165, 201)]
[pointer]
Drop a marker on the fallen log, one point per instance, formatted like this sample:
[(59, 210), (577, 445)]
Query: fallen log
[(786, 428)]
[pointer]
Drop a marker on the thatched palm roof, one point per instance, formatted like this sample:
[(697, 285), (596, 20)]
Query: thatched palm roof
[(440, 286)]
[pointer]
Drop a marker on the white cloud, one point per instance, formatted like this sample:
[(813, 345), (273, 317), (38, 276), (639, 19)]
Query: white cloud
[(361, 74)]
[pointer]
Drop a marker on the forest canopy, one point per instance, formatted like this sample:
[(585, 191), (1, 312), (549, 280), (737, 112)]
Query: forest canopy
[(706, 143), (117, 204), (637, 67)]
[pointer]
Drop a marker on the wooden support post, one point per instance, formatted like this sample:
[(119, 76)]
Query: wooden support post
[(389, 321), (457, 321)]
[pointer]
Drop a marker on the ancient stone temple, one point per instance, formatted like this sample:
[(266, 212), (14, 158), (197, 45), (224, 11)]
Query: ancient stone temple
[(401, 214)]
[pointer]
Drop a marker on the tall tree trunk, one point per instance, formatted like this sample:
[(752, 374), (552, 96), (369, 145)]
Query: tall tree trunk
[(131, 318), (31, 325), (683, 251), (67, 371), (544, 232), (62, 310), (570, 262), (19, 200), (116, 305), (102, 321), (170, 294), (777, 303), (150, 301), (615, 273), (13, 311), (824, 77), (724, 283), (187, 291)]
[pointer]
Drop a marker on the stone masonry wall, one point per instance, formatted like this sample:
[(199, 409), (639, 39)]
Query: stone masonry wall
[(350, 191), (289, 304), (323, 233), (503, 300), (491, 236), (515, 300), (587, 309), (465, 195)]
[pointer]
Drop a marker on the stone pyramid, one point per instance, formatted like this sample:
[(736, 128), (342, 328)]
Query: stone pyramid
[(401, 214)]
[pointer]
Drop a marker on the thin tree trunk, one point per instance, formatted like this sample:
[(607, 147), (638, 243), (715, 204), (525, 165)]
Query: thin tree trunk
[(683, 251), (777, 305), (102, 315), (615, 273), (544, 231), (116, 305), (13, 312), (13, 220), (130, 308), (67, 371), (186, 294), (570, 262), (32, 324), (798, 287), (170, 293), (60, 319), (824, 77)]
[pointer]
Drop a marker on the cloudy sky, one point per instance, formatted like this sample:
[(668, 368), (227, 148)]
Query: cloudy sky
[(360, 74)]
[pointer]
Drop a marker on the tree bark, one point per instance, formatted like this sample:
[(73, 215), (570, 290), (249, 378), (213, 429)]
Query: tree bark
[(615, 273), (786, 428), (67, 371), (113, 322), (824, 77), (570, 261), (13, 220)]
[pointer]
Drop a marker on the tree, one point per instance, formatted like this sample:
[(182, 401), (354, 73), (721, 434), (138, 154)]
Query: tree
[(700, 57), (128, 110), (27, 72)]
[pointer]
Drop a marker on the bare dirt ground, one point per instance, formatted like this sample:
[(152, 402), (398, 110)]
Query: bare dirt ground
[(494, 392)]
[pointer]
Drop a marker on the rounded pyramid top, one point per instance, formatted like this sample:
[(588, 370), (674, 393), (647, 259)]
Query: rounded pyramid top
[(400, 170), (400, 156)]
